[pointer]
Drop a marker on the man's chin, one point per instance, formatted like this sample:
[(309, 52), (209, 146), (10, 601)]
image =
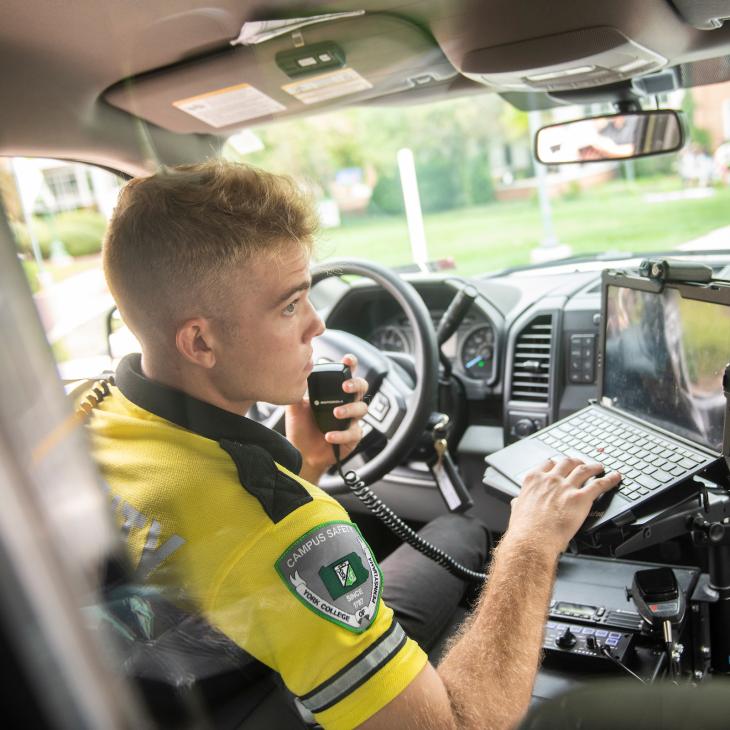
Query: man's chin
[(291, 399)]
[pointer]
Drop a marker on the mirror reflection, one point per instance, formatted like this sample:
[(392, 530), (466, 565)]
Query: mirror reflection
[(614, 137)]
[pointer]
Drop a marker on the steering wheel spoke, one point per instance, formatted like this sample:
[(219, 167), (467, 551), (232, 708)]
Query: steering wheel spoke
[(387, 408)]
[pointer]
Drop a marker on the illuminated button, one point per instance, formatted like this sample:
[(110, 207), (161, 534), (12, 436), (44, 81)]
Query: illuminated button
[(325, 57), (589, 631), (611, 642), (306, 62), (600, 633)]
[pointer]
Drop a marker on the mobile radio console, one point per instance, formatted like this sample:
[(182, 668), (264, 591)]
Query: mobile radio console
[(591, 620)]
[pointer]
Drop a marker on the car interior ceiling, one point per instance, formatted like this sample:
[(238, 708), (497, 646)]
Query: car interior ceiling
[(113, 87), (140, 61)]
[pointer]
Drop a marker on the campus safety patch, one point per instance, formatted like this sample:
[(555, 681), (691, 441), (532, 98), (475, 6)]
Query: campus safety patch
[(333, 572)]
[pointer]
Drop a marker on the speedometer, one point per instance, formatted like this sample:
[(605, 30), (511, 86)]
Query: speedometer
[(477, 353), (389, 339)]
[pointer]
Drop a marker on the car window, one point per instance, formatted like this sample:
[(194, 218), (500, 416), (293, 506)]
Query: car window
[(58, 211)]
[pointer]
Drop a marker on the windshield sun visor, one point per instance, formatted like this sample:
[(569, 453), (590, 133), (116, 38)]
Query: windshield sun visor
[(350, 60)]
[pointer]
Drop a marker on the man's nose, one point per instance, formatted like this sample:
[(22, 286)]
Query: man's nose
[(317, 326), (320, 328)]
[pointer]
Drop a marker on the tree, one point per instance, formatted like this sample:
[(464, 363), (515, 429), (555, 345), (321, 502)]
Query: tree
[(450, 142)]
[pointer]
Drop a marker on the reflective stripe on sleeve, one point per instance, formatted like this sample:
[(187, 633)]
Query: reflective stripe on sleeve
[(357, 672)]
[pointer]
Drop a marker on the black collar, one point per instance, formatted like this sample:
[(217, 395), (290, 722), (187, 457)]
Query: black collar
[(198, 416)]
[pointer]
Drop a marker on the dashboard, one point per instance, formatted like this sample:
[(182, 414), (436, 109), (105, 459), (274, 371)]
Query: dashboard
[(484, 352), (525, 355)]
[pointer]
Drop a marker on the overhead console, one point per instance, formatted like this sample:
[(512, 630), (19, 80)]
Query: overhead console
[(566, 61), (355, 59), (573, 45)]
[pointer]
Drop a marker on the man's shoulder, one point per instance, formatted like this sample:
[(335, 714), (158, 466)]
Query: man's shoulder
[(279, 490)]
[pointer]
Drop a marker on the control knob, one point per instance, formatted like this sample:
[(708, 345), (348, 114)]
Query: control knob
[(525, 427), (567, 639)]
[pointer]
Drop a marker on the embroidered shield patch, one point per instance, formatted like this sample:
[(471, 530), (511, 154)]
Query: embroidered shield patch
[(333, 572)]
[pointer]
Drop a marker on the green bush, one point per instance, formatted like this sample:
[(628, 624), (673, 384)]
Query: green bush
[(479, 180), (440, 184), (387, 195), (654, 165), (31, 272), (22, 239), (81, 232)]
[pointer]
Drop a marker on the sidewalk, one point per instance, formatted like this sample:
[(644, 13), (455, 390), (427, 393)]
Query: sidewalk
[(717, 240), (73, 302)]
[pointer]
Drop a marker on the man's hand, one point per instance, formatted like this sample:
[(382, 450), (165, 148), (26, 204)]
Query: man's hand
[(555, 500), (316, 447)]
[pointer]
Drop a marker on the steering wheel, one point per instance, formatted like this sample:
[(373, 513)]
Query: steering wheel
[(399, 408)]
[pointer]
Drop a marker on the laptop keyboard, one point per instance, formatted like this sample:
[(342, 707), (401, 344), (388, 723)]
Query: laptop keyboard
[(646, 461)]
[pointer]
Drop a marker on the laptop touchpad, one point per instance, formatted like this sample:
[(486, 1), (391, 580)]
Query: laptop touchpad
[(526, 455)]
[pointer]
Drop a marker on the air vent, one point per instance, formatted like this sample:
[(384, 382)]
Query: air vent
[(531, 369)]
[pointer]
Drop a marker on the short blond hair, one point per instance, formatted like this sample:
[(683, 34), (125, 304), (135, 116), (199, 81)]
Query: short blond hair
[(175, 234)]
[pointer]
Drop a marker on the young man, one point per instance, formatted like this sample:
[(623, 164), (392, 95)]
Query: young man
[(209, 265)]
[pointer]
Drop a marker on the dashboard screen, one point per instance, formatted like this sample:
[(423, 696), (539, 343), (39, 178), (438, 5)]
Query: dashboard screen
[(664, 360)]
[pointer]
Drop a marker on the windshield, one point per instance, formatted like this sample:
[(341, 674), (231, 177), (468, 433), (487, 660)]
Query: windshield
[(484, 202), (449, 186)]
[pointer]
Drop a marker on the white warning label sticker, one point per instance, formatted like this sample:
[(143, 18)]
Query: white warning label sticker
[(230, 105), (327, 86)]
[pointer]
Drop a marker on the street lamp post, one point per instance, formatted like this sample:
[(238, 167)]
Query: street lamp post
[(412, 201)]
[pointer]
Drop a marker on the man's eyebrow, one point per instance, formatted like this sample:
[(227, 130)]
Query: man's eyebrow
[(303, 286)]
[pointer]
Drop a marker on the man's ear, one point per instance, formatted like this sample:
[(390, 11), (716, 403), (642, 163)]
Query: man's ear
[(195, 342)]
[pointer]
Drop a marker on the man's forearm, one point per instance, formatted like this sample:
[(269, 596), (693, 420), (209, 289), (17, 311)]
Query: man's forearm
[(490, 669)]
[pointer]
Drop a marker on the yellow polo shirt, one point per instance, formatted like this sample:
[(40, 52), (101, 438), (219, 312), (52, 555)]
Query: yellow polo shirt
[(213, 513)]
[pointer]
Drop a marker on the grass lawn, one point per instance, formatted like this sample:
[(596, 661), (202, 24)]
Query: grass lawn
[(613, 217)]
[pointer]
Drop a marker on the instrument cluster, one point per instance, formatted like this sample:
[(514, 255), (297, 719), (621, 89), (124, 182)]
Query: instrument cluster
[(472, 349)]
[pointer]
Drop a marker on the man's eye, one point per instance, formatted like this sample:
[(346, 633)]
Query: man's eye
[(291, 307)]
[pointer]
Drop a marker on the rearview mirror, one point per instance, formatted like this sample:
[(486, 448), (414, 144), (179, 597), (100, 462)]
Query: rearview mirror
[(612, 137)]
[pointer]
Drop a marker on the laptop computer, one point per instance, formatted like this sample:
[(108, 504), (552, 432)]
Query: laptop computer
[(660, 412)]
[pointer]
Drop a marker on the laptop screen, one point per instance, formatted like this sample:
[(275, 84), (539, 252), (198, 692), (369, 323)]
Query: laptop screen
[(664, 360)]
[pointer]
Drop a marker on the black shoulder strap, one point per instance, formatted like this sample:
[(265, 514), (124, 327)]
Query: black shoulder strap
[(278, 493)]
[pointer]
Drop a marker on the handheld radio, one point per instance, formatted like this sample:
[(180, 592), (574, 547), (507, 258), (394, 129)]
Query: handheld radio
[(325, 394)]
